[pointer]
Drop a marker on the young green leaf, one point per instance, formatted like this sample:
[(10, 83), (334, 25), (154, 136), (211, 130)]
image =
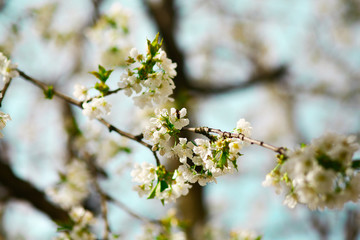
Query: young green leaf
[(49, 92)]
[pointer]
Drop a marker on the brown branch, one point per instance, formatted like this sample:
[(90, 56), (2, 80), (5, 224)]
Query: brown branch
[(44, 87), (124, 134), (129, 211), (270, 76), (104, 209), (24, 190), (206, 132), (79, 104), (3, 91)]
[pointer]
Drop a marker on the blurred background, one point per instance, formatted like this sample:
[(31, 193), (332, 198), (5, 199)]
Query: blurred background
[(290, 68)]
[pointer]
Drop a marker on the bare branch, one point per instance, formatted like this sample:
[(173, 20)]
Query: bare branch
[(259, 78), (130, 212), (3, 91), (44, 87), (206, 132), (24, 190), (79, 104)]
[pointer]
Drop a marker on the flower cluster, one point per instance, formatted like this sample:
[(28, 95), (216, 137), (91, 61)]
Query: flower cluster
[(164, 126), (244, 235), (156, 182), (73, 187), (81, 92), (7, 69), (111, 35), (170, 228), (80, 230), (243, 127), (209, 159), (201, 161), (96, 108), (149, 77), (319, 175), (3, 119)]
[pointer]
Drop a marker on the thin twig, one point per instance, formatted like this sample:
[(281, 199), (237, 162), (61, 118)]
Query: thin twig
[(113, 91), (107, 94), (206, 131), (104, 209), (44, 87), (130, 212), (79, 104), (124, 134), (3, 91)]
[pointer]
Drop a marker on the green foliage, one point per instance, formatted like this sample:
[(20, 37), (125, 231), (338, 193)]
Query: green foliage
[(153, 192), (102, 74), (356, 164), (154, 46), (328, 163), (65, 226), (102, 87), (49, 92), (124, 149)]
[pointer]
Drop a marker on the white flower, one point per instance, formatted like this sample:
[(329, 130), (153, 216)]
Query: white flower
[(162, 127), (74, 188), (81, 92), (166, 64), (7, 69), (80, 231), (203, 148), (244, 235), (3, 120), (144, 174), (291, 200), (273, 179), (96, 108), (179, 189), (234, 146), (320, 175), (177, 118), (134, 53), (153, 87), (184, 150), (243, 127), (81, 216)]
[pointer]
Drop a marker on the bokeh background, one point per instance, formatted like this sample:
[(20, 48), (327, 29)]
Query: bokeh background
[(291, 68)]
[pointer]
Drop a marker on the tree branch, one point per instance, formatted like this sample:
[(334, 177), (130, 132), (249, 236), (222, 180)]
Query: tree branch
[(259, 78), (206, 132), (24, 190), (3, 91), (68, 99)]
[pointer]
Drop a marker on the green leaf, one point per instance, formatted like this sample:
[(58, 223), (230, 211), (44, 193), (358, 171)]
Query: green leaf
[(328, 163), (355, 164), (102, 87), (223, 159), (258, 238), (153, 192), (235, 165), (124, 149), (101, 69), (96, 74), (65, 226), (49, 92), (154, 46), (107, 73), (103, 74), (163, 185)]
